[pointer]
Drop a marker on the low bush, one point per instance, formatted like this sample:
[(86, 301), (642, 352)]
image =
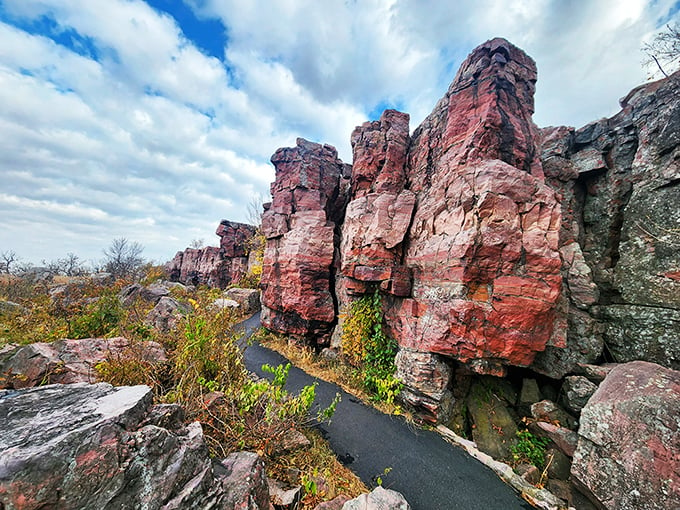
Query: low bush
[(367, 346)]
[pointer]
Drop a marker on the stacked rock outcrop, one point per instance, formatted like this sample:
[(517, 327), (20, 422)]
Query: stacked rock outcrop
[(215, 266), (300, 225), (494, 244)]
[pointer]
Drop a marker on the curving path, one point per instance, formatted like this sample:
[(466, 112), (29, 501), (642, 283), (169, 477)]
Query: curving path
[(431, 473)]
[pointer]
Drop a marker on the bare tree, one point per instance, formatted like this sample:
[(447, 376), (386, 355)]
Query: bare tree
[(664, 50), (254, 210), (71, 265), (8, 257), (197, 243), (123, 258)]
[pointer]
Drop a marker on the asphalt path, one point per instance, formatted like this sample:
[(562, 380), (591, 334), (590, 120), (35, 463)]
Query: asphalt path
[(431, 473)]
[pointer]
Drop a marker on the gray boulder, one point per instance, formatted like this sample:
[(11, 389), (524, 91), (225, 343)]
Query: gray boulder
[(95, 446), (629, 441), (378, 499), (248, 299), (68, 361)]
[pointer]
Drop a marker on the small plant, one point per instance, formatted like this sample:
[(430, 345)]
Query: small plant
[(364, 342), (529, 449)]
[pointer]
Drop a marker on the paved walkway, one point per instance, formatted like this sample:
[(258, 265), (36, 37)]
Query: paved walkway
[(431, 473)]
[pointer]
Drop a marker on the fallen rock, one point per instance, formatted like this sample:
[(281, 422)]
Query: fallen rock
[(549, 411), (529, 395), (284, 498), (426, 378), (558, 465), (151, 294), (12, 308), (69, 361), (166, 314), (244, 482), (493, 427), (247, 299), (223, 303), (92, 451), (629, 441), (576, 390), (529, 472), (565, 439), (378, 499)]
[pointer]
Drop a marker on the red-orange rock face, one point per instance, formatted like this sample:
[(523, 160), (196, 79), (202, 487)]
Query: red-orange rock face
[(299, 224), (483, 243)]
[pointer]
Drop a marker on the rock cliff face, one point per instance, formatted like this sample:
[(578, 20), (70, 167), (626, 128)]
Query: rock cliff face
[(619, 184), (213, 266), (493, 243)]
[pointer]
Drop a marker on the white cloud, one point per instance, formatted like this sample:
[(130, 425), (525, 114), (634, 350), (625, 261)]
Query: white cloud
[(156, 141)]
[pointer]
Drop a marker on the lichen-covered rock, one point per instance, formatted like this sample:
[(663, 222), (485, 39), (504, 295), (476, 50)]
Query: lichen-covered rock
[(629, 440), (167, 312), (92, 446), (618, 183), (69, 361), (299, 225), (576, 390)]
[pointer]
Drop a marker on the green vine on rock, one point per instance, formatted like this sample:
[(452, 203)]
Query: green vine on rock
[(367, 346)]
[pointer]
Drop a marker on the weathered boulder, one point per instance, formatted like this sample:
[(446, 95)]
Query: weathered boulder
[(91, 446), (300, 228), (576, 390), (152, 294), (167, 312), (629, 440), (215, 266), (426, 379), (493, 426), (11, 308), (378, 499), (244, 482), (69, 361), (247, 299)]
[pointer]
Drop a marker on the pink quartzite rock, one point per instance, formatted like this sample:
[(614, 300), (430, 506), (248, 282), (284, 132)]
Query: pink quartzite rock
[(483, 244), (307, 203), (629, 446), (379, 214), (213, 266), (68, 361)]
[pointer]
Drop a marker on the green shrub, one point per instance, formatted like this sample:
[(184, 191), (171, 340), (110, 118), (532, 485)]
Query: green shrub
[(365, 343), (529, 449)]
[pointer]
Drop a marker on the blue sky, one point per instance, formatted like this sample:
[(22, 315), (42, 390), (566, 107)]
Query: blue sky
[(153, 120)]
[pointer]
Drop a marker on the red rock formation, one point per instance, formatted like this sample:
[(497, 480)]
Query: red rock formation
[(299, 225), (483, 245), (212, 266), (380, 212)]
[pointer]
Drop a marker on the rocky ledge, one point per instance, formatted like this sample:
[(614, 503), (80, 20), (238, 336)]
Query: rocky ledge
[(96, 446)]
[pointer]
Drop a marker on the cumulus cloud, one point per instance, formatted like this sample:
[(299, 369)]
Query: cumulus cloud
[(116, 123)]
